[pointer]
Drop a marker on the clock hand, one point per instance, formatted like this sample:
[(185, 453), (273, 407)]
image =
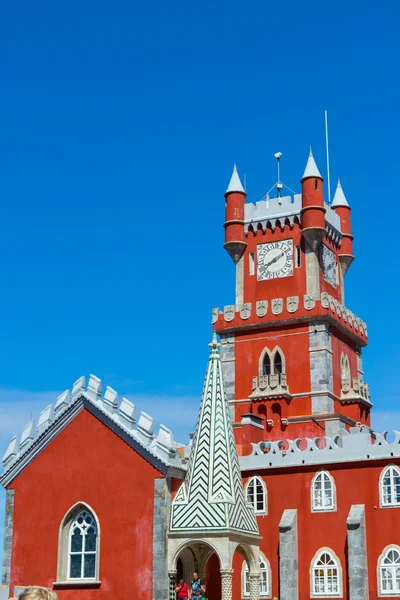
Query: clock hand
[(274, 260)]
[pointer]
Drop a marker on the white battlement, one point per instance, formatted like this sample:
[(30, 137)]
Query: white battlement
[(123, 414), (275, 211), (360, 444)]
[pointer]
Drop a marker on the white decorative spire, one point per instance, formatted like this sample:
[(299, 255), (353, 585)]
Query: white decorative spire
[(235, 185), (339, 198), (211, 498), (311, 169)]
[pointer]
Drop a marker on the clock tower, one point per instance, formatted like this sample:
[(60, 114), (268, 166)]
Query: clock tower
[(291, 350)]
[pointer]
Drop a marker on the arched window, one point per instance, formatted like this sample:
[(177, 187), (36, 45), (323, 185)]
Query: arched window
[(390, 486), (265, 578), (326, 575), (266, 367), (78, 554), (82, 547), (256, 494), (278, 363), (389, 571), (323, 492)]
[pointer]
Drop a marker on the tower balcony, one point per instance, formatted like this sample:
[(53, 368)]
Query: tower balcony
[(270, 386), (358, 392)]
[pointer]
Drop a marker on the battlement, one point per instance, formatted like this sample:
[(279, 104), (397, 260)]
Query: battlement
[(120, 415), (279, 310), (361, 444), (276, 212)]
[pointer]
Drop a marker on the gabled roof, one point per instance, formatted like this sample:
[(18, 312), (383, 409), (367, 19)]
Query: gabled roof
[(211, 498), (311, 169), (235, 185), (160, 450)]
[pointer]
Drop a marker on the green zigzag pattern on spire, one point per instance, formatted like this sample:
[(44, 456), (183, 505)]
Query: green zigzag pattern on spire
[(212, 496)]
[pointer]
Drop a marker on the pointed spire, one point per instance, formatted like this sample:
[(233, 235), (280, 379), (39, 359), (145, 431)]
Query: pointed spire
[(235, 185), (311, 169), (339, 198), (211, 498)]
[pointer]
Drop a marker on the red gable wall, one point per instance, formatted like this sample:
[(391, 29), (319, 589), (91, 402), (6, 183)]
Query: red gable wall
[(89, 463)]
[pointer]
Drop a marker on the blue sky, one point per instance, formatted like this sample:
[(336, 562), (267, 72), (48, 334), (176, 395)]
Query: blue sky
[(119, 126)]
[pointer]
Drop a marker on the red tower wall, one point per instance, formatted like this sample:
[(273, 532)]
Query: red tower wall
[(87, 463)]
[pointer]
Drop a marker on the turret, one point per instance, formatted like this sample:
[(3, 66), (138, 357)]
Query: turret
[(342, 208), (235, 240), (313, 208)]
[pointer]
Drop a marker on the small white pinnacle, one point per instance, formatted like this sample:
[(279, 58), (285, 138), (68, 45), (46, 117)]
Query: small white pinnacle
[(311, 169), (339, 198), (235, 185)]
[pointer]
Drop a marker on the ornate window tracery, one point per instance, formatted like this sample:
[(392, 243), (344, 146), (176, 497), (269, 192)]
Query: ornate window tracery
[(326, 574), (82, 547), (390, 486), (389, 571)]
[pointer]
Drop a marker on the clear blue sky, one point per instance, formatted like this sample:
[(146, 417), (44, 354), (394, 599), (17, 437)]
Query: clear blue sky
[(119, 126)]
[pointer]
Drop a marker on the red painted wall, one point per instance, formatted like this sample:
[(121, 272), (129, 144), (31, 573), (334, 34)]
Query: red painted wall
[(87, 462), (355, 484)]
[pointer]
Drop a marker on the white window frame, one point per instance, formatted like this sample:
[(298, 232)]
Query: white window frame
[(383, 593), (83, 553), (314, 508), (383, 503), (252, 265), (64, 546), (266, 570), (254, 480), (338, 566), (271, 354)]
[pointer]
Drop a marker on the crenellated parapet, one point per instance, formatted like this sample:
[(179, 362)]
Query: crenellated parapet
[(277, 311), (119, 415), (273, 213), (360, 444)]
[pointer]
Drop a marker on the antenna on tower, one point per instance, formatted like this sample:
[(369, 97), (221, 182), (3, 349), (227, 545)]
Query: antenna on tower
[(327, 156), (279, 185)]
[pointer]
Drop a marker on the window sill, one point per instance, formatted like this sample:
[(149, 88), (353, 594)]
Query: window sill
[(77, 583)]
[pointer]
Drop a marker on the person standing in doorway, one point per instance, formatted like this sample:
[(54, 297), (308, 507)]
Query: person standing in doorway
[(198, 588), (182, 590)]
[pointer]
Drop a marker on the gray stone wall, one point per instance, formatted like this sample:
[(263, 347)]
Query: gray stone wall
[(357, 553), (227, 351), (288, 556), (321, 368), (162, 504), (8, 533)]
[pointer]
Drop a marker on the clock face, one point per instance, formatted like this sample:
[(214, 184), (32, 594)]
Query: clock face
[(274, 260), (329, 265)]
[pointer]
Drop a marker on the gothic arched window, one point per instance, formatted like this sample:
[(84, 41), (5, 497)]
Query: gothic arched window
[(82, 547), (78, 553), (323, 492), (389, 571), (278, 363), (256, 494), (265, 578), (326, 576), (390, 486), (266, 366)]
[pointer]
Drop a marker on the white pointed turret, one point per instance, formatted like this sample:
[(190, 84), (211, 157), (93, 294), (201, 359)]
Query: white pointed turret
[(211, 498), (311, 169), (339, 198), (235, 185)]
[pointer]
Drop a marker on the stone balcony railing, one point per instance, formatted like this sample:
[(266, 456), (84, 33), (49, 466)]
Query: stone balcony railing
[(270, 386), (359, 390)]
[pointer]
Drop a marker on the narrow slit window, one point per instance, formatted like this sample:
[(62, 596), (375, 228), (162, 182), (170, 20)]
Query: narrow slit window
[(316, 185), (251, 263), (298, 256), (266, 365)]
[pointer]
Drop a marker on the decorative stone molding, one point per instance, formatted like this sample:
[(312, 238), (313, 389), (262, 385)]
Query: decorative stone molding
[(277, 306), (358, 392), (261, 308), (122, 419), (245, 310), (309, 301), (361, 444), (229, 312), (292, 303), (214, 315), (254, 581), (269, 386), (226, 584)]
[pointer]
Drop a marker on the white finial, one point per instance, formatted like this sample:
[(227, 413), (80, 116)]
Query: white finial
[(214, 343), (339, 198), (235, 185), (311, 169)]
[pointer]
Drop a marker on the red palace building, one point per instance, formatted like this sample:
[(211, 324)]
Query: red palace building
[(284, 491)]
